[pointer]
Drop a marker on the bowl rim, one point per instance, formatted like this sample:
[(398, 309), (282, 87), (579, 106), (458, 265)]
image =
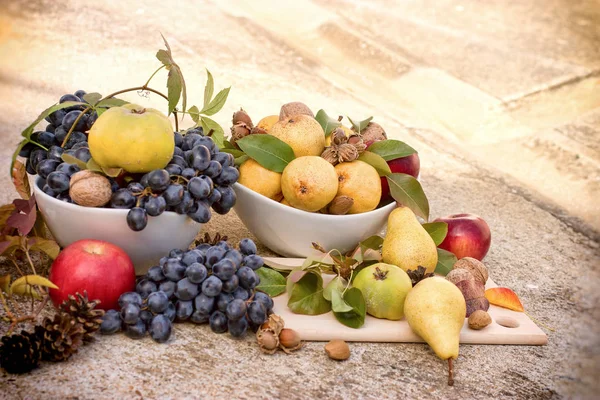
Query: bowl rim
[(39, 192), (323, 217)]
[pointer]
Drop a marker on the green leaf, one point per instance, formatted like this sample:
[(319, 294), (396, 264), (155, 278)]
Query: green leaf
[(164, 57), (240, 160), (271, 281), (391, 149), (356, 317), (446, 261), (174, 88), (92, 165), (373, 243), (50, 247), (112, 102), (101, 111), (327, 123), (234, 152), (92, 98), (209, 88), (437, 231), (112, 172), (377, 162), (217, 103), (217, 135), (407, 191), (306, 296), (336, 284), (359, 126), (69, 159), (20, 180), (194, 113), (338, 305), (23, 284), (269, 151)]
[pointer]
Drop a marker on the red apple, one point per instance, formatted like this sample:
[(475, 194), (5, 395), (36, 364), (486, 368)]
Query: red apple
[(468, 236), (102, 269), (410, 165)]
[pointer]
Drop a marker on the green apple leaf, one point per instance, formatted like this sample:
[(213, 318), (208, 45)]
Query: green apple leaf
[(306, 295), (214, 130), (355, 318), (111, 102), (327, 123), (359, 126), (217, 103), (377, 162), (174, 88), (269, 151), (338, 305), (69, 159), (446, 261), (391, 149), (194, 113), (271, 281), (407, 191), (336, 284), (240, 160), (373, 243), (437, 231), (209, 88), (234, 152), (92, 98)]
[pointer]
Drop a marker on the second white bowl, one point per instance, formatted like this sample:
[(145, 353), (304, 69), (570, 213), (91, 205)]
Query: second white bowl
[(290, 232)]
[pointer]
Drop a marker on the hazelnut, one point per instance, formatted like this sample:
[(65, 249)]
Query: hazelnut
[(341, 205), (337, 350), (457, 275), (479, 320), (267, 341), (90, 189), (474, 266), (242, 116), (295, 108), (289, 340)]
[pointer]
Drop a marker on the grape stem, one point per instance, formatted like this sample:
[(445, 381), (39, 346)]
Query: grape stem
[(137, 88)]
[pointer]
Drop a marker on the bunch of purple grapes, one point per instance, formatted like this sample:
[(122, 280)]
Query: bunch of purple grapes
[(198, 178), (207, 284)]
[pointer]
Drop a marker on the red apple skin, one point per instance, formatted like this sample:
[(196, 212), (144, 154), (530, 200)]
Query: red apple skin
[(468, 236), (410, 165), (101, 268)]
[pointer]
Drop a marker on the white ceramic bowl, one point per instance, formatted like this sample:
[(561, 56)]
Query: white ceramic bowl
[(290, 232), (70, 222)]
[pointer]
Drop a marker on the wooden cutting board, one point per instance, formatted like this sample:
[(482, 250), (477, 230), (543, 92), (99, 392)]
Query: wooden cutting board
[(507, 327)]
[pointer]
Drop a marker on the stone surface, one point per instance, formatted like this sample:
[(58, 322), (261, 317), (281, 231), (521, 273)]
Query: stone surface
[(447, 77)]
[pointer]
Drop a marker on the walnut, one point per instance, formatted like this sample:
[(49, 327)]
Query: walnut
[(90, 189), (474, 266), (295, 108)]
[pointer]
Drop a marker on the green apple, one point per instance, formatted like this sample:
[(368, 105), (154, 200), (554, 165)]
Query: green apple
[(384, 287)]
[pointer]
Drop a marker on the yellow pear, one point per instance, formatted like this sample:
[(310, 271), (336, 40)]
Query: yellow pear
[(309, 183), (267, 122), (407, 244), (303, 133), (260, 179), (361, 182), (435, 310)]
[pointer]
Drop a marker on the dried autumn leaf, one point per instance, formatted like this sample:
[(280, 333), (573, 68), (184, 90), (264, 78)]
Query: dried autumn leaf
[(504, 297), (50, 247), (19, 179), (4, 283), (24, 285), (5, 212), (24, 216), (8, 242)]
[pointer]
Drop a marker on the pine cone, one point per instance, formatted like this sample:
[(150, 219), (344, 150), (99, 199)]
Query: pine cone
[(418, 274), (20, 353), (61, 337), (83, 310)]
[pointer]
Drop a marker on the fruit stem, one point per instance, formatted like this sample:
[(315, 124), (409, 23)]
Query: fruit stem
[(152, 76), (450, 373)]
